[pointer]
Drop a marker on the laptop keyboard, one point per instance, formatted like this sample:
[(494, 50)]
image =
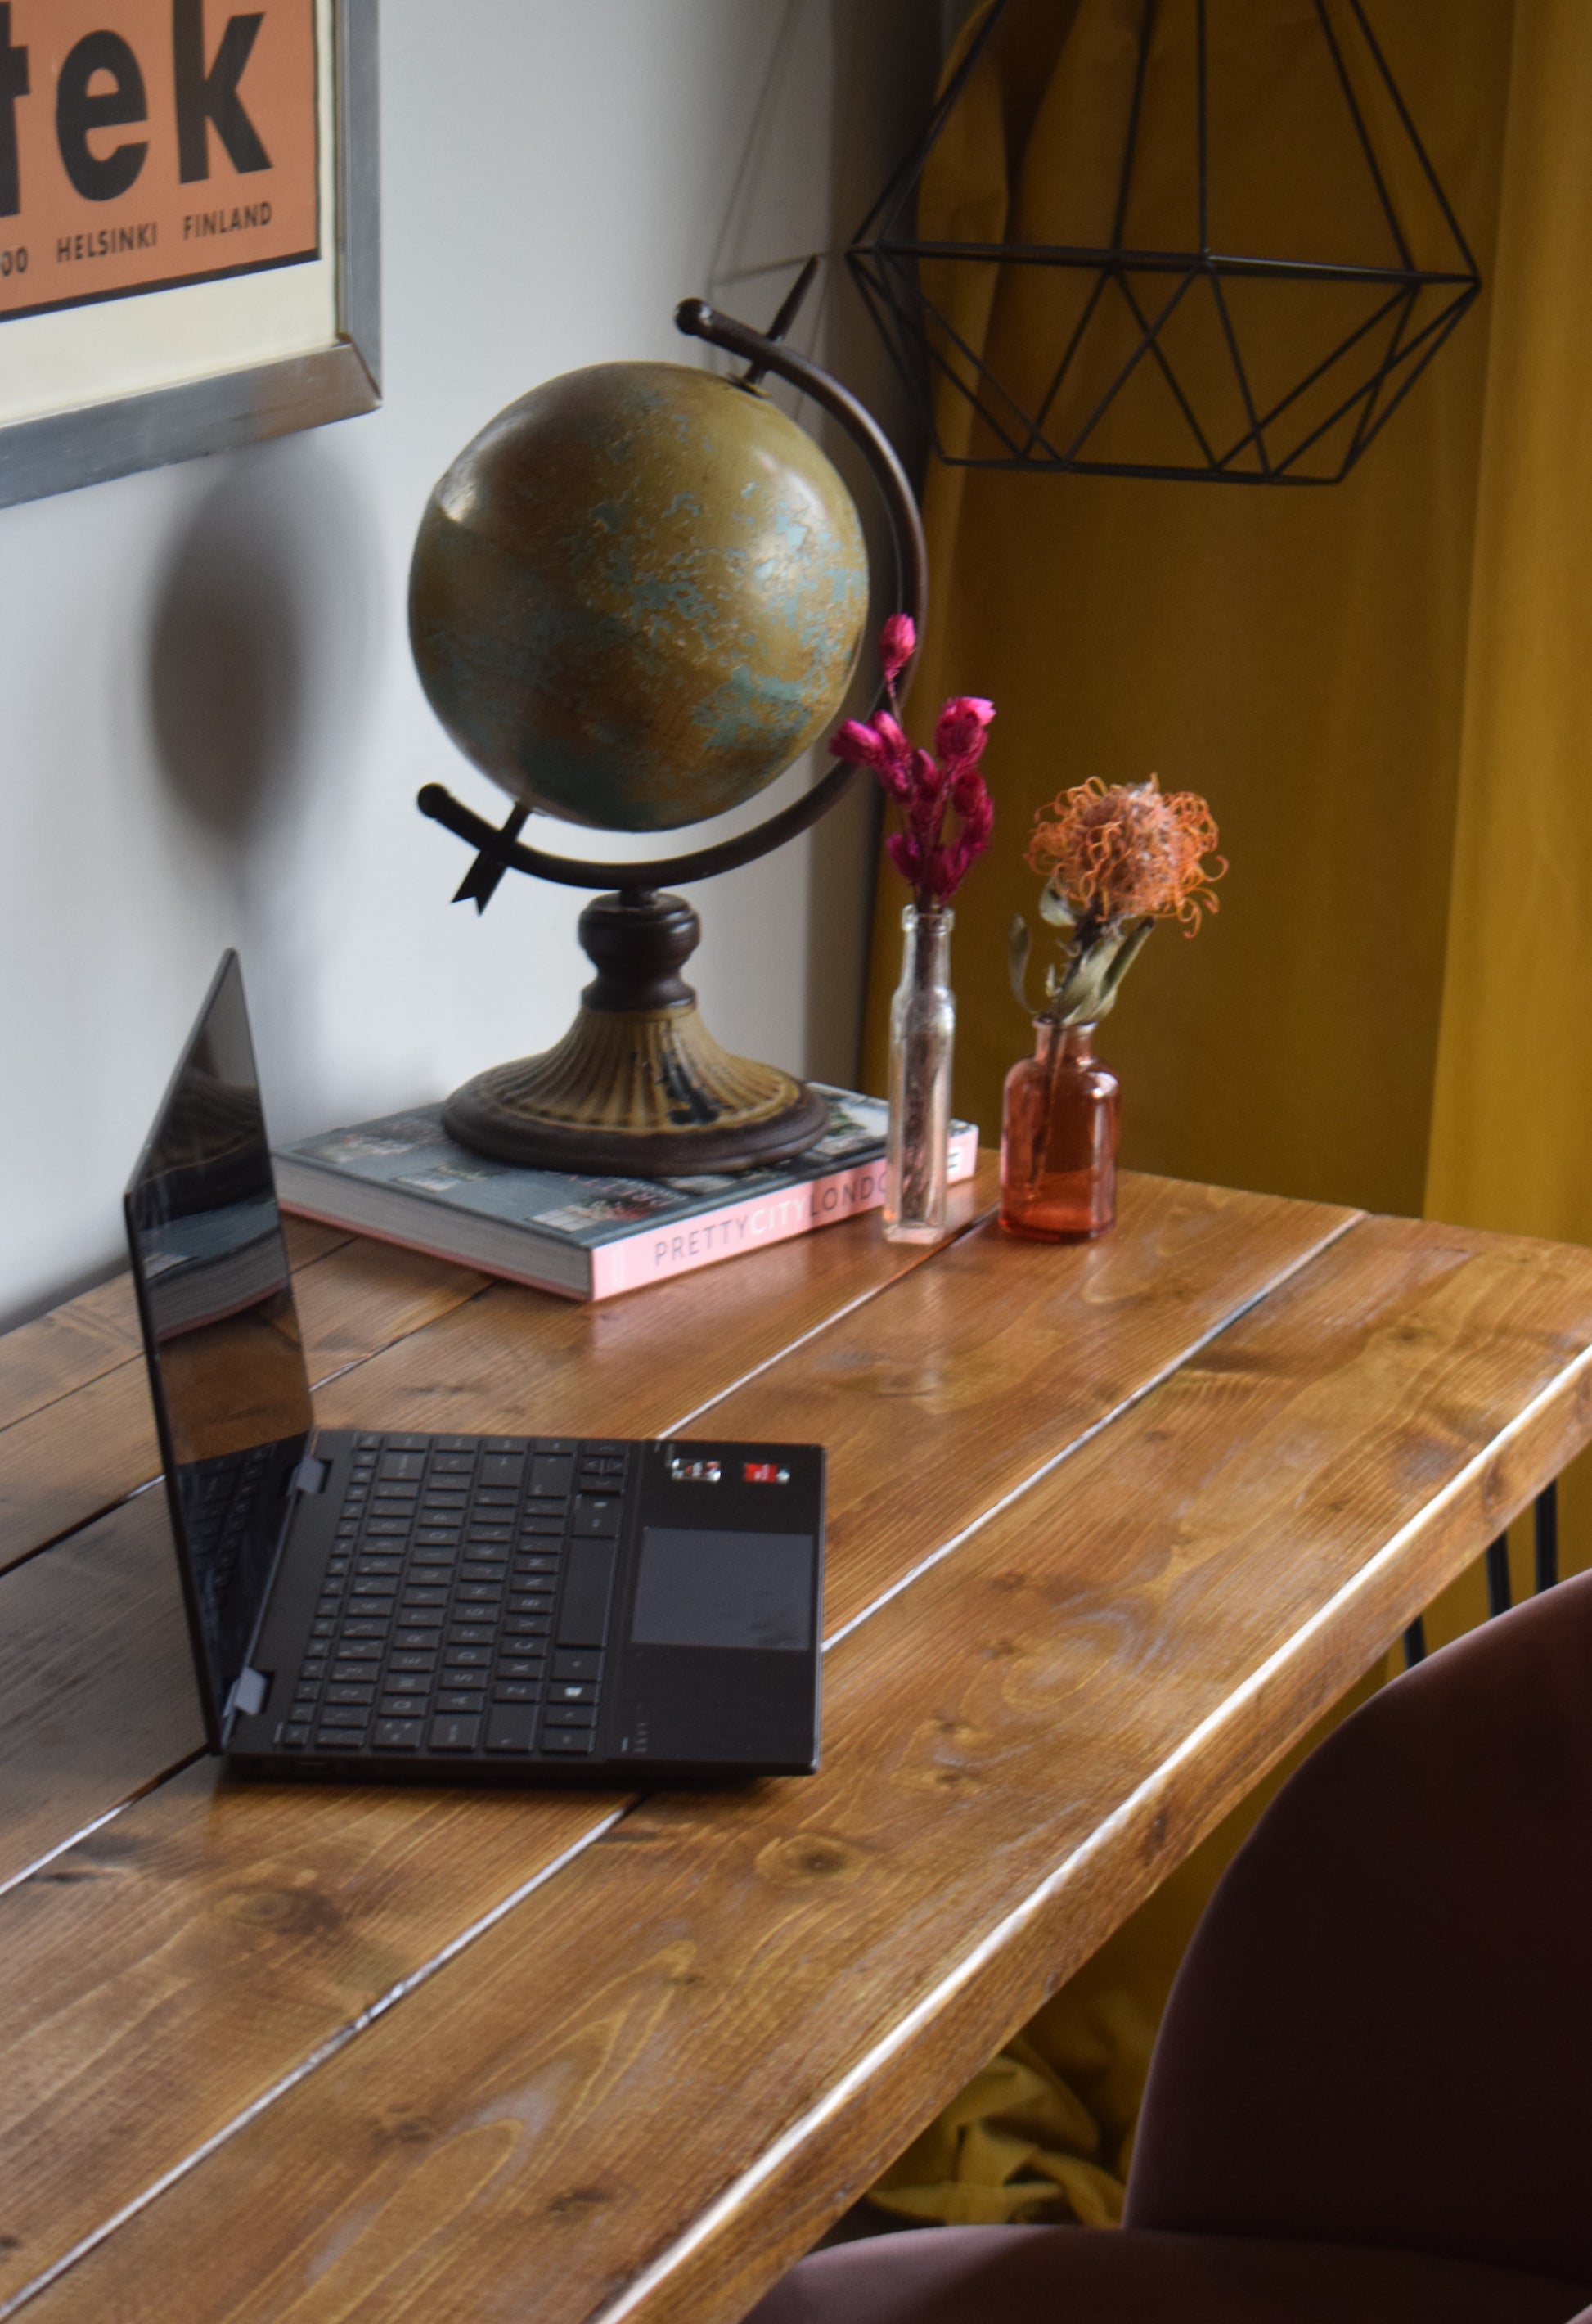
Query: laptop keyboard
[(464, 1605)]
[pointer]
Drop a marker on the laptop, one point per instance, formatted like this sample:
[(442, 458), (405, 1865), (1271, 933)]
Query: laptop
[(376, 1604)]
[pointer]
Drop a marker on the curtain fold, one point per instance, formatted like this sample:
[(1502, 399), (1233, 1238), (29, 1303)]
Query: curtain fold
[(1384, 690)]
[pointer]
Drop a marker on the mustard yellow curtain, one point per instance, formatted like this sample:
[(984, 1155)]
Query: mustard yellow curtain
[(1386, 691)]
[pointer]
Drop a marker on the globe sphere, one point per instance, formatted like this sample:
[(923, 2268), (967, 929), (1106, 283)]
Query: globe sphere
[(637, 595)]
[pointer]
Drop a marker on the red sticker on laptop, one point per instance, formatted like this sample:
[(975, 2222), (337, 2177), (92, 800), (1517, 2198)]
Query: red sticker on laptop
[(764, 1473)]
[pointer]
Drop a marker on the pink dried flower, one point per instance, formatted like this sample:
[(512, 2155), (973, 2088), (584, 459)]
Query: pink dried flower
[(927, 787), (897, 644)]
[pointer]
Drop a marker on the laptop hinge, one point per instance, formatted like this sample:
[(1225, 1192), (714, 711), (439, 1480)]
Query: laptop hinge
[(249, 1689), (310, 1475)]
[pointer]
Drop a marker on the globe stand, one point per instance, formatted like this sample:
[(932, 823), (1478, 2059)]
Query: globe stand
[(638, 1086)]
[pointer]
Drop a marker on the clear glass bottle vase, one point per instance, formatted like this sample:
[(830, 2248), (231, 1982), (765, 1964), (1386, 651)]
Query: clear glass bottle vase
[(923, 1032)]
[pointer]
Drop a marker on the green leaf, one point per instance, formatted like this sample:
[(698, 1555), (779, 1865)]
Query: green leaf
[(1018, 943), (1127, 955), (1055, 909)]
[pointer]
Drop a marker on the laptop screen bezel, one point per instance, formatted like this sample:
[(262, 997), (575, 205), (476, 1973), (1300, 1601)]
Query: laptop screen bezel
[(214, 1687)]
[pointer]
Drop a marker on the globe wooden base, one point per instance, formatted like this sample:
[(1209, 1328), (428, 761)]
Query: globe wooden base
[(637, 1087)]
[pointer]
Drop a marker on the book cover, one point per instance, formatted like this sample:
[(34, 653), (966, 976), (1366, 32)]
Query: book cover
[(403, 1178)]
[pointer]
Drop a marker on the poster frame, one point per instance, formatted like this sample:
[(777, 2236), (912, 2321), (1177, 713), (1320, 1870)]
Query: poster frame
[(89, 444)]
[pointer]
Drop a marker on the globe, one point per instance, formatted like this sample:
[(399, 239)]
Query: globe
[(637, 595)]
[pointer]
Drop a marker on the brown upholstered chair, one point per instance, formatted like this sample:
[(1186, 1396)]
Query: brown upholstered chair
[(1371, 2099)]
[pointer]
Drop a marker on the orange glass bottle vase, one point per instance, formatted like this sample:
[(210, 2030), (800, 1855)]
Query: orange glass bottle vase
[(1058, 1140)]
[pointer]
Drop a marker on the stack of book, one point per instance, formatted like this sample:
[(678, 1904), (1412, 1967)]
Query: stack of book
[(404, 1179)]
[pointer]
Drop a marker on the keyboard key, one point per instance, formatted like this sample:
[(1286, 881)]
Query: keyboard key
[(336, 1739), (582, 1619), (476, 1568), (516, 1690), (399, 1734), (402, 1706), (367, 1626), (365, 1695), (323, 1629), (404, 1465), (478, 1593), (367, 1586), (354, 1650), (564, 1690), (341, 1717), (453, 1464), (408, 1682), (541, 1528), (576, 1662), (410, 1659), (313, 1668), (455, 1734), (294, 1737), (370, 1568), (551, 1476), (467, 1657), (472, 1634), (597, 1515), (570, 1714), (460, 1698), (525, 1604), (521, 1642), (567, 1738), (367, 1443), (417, 1634), (520, 1666), (511, 1730), (501, 1468), (418, 1600)]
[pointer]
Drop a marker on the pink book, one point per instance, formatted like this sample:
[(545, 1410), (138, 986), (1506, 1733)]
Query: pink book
[(403, 1179)]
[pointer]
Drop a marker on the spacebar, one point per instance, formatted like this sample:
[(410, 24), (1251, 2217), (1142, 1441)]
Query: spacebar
[(583, 1618)]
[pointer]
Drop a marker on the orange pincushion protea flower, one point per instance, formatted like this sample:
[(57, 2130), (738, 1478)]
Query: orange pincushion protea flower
[(1127, 851)]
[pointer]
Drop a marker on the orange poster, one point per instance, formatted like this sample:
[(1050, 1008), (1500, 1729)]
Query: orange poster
[(148, 142)]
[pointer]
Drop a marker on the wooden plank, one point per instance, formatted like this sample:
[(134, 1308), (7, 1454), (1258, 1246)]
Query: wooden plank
[(78, 1454), (643, 2091), (86, 1337), (1186, 1259), (522, 1362)]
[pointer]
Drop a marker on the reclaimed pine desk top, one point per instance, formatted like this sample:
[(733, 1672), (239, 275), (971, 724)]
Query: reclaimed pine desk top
[(1109, 1528)]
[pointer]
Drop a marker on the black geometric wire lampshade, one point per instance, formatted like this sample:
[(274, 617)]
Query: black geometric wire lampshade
[(1215, 248)]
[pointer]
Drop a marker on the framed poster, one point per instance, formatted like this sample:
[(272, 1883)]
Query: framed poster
[(188, 230)]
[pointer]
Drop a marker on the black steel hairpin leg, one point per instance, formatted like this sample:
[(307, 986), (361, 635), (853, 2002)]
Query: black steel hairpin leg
[(1545, 1533), (1545, 1542)]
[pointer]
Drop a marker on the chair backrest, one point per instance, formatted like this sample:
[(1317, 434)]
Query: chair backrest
[(1382, 2033)]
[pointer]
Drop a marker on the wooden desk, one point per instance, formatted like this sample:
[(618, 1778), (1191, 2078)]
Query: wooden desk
[(1110, 1526)]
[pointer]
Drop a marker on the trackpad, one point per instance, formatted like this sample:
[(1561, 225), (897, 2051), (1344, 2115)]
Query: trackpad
[(696, 1587)]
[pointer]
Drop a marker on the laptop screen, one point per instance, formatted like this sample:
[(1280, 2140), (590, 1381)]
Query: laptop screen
[(221, 1332)]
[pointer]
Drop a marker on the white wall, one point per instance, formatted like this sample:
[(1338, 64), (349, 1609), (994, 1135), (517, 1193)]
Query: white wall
[(213, 734)]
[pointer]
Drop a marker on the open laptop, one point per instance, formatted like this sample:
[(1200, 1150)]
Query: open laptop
[(378, 1604)]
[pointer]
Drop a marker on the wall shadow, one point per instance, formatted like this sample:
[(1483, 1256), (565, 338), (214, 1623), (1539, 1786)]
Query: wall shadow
[(262, 652)]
